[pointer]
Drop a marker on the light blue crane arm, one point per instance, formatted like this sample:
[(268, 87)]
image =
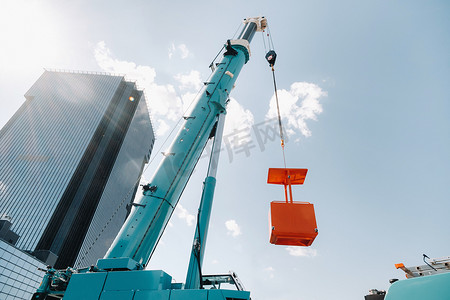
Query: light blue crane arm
[(149, 216)]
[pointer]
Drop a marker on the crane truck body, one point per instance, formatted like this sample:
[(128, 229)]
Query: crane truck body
[(429, 281)]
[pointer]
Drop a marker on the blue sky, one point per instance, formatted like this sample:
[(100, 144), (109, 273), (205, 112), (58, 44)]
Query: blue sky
[(368, 79)]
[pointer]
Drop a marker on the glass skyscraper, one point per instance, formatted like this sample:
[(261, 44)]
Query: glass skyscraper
[(70, 162)]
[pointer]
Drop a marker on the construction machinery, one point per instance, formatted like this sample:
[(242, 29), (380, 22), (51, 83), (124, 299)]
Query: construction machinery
[(121, 273), (429, 281)]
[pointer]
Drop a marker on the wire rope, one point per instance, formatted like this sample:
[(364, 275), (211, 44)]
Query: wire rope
[(279, 116), (271, 57)]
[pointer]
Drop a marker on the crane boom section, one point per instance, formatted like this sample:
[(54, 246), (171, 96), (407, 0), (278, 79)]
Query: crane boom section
[(149, 216)]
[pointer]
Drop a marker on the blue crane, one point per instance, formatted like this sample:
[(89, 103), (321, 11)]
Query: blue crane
[(121, 273)]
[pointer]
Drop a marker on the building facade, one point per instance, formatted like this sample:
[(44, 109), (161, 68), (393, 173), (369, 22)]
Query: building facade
[(71, 158), (20, 273)]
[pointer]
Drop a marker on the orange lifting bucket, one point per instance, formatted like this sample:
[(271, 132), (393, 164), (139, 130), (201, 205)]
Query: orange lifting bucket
[(292, 223)]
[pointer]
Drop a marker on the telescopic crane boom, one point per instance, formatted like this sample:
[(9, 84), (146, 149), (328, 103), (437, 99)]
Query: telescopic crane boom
[(143, 228)]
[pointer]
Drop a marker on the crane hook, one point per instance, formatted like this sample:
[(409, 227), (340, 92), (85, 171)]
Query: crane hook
[(271, 56)]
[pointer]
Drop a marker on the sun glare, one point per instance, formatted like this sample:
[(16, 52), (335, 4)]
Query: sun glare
[(29, 35)]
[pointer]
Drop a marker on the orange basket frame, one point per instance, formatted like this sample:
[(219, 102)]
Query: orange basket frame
[(293, 223), (287, 177)]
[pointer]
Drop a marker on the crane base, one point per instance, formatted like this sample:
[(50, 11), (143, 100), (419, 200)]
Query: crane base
[(139, 285)]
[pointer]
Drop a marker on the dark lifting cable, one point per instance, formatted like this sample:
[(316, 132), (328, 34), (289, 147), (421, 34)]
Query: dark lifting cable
[(271, 57)]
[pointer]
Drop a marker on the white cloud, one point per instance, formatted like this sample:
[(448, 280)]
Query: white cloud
[(182, 50), (162, 127), (163, 100), (233, 228), (238, 124), (300, 251), (171, 50), (190, 85), (188, 99), (145, 75), (191, 81), (299, 104), (183, 214)]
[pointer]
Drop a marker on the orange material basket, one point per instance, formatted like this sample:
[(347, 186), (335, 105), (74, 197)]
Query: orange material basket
[(292, 223)]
